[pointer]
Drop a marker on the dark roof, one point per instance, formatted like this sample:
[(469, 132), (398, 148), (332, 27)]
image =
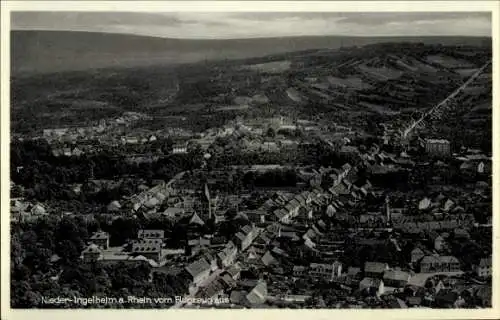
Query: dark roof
[(396, 275), (141, 247), (375, 267), (151, 234)]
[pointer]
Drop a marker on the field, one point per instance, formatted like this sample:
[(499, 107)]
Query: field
[(270, 67), (449, 62)]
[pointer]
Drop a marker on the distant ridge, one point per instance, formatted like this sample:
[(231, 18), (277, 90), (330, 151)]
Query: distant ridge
[(55, 51)]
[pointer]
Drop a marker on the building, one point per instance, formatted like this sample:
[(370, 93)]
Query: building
[(114, 206), (299, 271), (212, 261), (101, 239), (199, 271), (258, 295), (396, 278), (371, 286), (234, 271), (484, 269), (325, 271), (375, 269), (439, 243), (148, 250), (439, 264), (227, 255), (151, 234), (179, 149), (437, 147), (354, 272), (416, 255), (214, 290), (246, 236), (268, 259), (92, 253)]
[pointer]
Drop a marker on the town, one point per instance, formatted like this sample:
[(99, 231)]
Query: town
[(351, 178)]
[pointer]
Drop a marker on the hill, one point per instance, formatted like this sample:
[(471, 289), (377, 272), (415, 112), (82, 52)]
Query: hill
[(56, 51)]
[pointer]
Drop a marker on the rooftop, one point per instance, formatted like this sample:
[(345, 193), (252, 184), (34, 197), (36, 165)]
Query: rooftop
[(197, 267)]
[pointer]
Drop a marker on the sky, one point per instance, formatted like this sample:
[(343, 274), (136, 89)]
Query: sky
[(231, 25)]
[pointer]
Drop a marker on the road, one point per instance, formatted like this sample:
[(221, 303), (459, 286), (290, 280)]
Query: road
[(442, 103)]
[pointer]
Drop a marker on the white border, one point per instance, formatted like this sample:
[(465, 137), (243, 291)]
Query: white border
[(242, 6)]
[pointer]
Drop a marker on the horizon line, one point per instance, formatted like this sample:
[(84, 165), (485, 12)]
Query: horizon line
[(257, 37)]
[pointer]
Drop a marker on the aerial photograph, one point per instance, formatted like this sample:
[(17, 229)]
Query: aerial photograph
[(250, 160)]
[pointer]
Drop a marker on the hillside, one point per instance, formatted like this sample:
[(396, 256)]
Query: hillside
[(55, 51)]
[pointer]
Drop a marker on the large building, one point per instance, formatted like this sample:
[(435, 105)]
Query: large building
[(437, 147), (439, 264), (325, 271)]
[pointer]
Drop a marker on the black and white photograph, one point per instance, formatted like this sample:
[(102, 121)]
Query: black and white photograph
[(250, 159)]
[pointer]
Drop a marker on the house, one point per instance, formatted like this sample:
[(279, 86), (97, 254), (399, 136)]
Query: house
[(299, 271), (211, 260), (234, 271), (413, 301), (38, 210), (92, 253), (446, 298), (353, 272), (149, 248), (439, 264), (213, 290), (416, 255), (195, 219), (228, 282), (375, 269), (246, 236), (227, 255), (237, 297), (258, 295), (198, 271), (256, 216), (424, 204), (439, 243), (179, 149), (151, 234), (437, 147), (371, 286), (114, 206), (262, 241), (101, 239), (174, 213), (461, 234), (152, 202), (484, 268), (448, 205), (130, 140), (325, 271), (268, 259), (483, 296), (396, 278)]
